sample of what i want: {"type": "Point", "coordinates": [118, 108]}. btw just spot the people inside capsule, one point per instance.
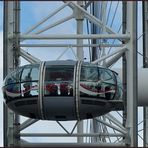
{"type": "Point", "coordinates": [29, 81]}
{"type": "Point", "coordinates": [59, 81]}
{"type": "Point", "coordinates": [97, 82]}
{"type": "Point", "coordinates": [61, 91]}
{"type": "Point", "coordinates": [27, 85]}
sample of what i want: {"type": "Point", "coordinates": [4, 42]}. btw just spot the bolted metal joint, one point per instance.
{"type": "Point", "coordinates": [79, 14]}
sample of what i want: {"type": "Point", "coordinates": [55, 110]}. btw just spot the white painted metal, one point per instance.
{"type": "Point", "coordinates": [79, 14]}
{"type": "Point", "coordinates": [27, 144]}
{"type": "Point", "coordinates": [41, 91]}
{"type": "Point", "coordinates": [30, 58]}
{"type": "Point", "coordinates": [103, 29]}
{"type": "Point", "coordinates": [131, 56]}
{"type": "Point", "coordinates": [90, 17]}
{"type": "Point", "coordinates": [113, 60]}
{"type": "Point", "coordinates": [27, 123]}
{"type": "Point", "coordinates": [55, 24]}
{"type": "Point", "coordinates": [121, 50]}
{"type": "Point", "coordinates": [46, 18]}
{"type": "Point", "coordinates": [109, 125]}
{"type": "Point", "coordinates": [62, 53]}
{"type": "Point", "coordinates": [10, 61]}
{"type": "Point", "coordinates": [71, 45]}
{"type": "Point", "coordinates": [98, 13]}
{"type": "Point", "coordinates": [142, 86]}
{"type": "Point", "coordinates": [124, 37]}
{"type": "Point", "coordinates": [69, 135]}
{"type": "Point", "coordinates": [115, 121]}
{"type": "Point", "coordinates": [80, 55]}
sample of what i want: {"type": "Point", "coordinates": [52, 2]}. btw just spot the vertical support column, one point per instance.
{"type": "Point", "coordinates": [9, 64]}
{"type": "Point", "coordinates": [94, 29]}
{"type": "Point", "coordinates": [104, 29]}
{"type": "Point", "coordinates": [124, 63]}
{"type": "Point", "coordinates": [145, 65]}
{"type": "Point", "coordinates": [16, 51]}
{"type": "Point", "coordinates": [79, 19]}
{"type": "Point", "coordinates": [80, 56]}
{"type": "Point", "coordinates": [131, 55]}
{"type": "Point", "coordinates": [96, 11]}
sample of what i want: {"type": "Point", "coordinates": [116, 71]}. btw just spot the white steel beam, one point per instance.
{"type": "Point", "coordinates": [46, 18]}
{"type": "Point", "coordinates": [103, 29]}
{"type": "Point", "coordinates": [80, 13]}
{"type": "Point", "coordinates": [121, 50]}
{"type": "Point", "coordinates": [62, 54]}
{"type": "Point", "coordinates": [83, 145]}
{"type": "Point", "coordinates": [72, 45]}
{"type": "Point", "coordinates": [10, 62]}
{"type": "Point", "coordinates": [30, 58]}
{"type": "Point", "coordinates": [112, 126]}
{"type": "Point", "coordinates": [71, 132]}
{"type": "Point", "coordinates": [95, 29]}
{"type": "Point", "coordinates": [54, 24]}
{"type": "Point", "coordinates": [131, 56]}
{"type": "Point", "coordinates": [70, 135]}
{"type": "Point", "coordinates": [124, 37]}
{"type": "Point", "coordinates": [90, 17]}
{"type": "Point", "coordinates": [113, 60]}
{"type": "Point", "coordinates": [80, 56]}
{"type": "Point", "coordinates": [115, 121]}
{"type": "Point", "coordinates": [27, 123]}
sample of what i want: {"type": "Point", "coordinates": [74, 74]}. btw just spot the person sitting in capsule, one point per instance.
{"type": "Point", "coordinates": [27, 86]}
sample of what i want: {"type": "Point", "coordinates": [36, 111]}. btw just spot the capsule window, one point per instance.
{"type": "Point", "coordinates": [12, 85]}
{"type": "Point", "coordinates": [11, 91]}
{"type": "Point", "coordinates": [29, 81]}
{"type": "Point", "coordinates": [119, 93]}
{"type": "Point", "coordinates": [59, 81]}
{"type": "Point", "coordinates": [89, 74]}
{"type": "Point", "coordinates": [108, 83]}
{"type": "Point", "coordinates": [13, 77]}
{"type": "Point", "coordinates": [89, 81]}
{"type": "Point", "coordinates": [106, 76]}
{"type": "Point", "coordinates": [30, 73]}
{"type": "Point", "coordinates": [97, 82]}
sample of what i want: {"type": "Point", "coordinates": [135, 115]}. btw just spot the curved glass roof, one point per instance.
{"type": "Point", "coordinates": [95, 82]}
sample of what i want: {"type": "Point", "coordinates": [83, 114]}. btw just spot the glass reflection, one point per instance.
{"type": "Point", "coordinates": [23, 82]}
{"type": "Point", "coordinates": [29, 89]}
{"type": "Point", "coordinates": [12, 91]}
{"type": "Point", "coordinates": [119, 90]}
{"type": "Point", "coordinates": [59, 81]}
{"type": "Point", "coordinates": [97, 82]}
{"type": "Point", "coordinates": [29, 81]}
{"type": "Point", "coordinates": [13, 77]}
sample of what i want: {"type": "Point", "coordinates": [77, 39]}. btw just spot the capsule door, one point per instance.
{"type": "Point", "coordinates": [59, 100]}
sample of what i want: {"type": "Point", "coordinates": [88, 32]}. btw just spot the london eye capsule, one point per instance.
{"type": "Point", "coordinates": [63, 90]}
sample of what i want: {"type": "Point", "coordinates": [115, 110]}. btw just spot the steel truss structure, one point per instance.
{"type": "Point", "coordinates": [117, 129]}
